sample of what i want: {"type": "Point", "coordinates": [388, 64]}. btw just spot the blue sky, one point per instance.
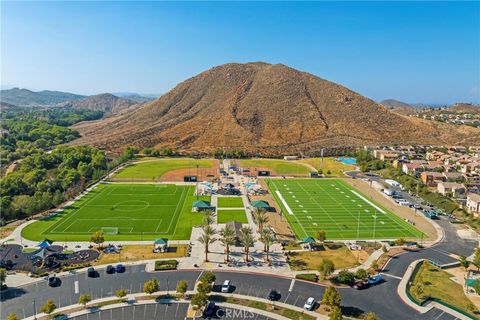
{"type": "Point", "coordinates": [411, 51]}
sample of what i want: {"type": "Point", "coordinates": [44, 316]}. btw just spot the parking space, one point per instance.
{"type": "Point", "coordinates": [141, 312]}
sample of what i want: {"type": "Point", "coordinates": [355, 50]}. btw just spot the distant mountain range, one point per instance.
{"type": "Point", "coordinates": [106, 102]}
{"type": "Point", "coordinates": [264, 109]}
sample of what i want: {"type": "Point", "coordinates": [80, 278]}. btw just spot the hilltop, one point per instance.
{"type": "Point", "coordinates": [24, 97]}
{"type": "Point", "coordinates": [105, 102]}
{"type": "Point", "coordinates": [263, 108]}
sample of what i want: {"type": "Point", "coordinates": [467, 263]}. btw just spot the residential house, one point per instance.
{"type": "Point", "coordinates": [453, 176]}
{"type": "Point", "coordinates": [435, 155]}
{"type": "Point", "coordinates": [451, 189]}
{"type": "Point", "coordinates": [412, 168]}
{"type": "Point", "coordinates": [431, 179]}
{"type": "Point", "coordinates": [473, 204]}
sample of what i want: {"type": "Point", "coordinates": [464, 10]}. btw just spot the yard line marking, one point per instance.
{"type": "Point", "coordinates": [285, 204]}
{"type": "Point", "coordinates": [368, 201]}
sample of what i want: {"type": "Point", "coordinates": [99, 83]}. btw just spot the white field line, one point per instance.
{"type": "Point", "coordinates": [367, 201]}
{"type": "Point", "coordinates": [285, 204]}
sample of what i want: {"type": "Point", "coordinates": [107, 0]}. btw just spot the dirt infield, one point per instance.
{"type": "Point", "coordinates": [204, 174]}
{"type": "Point", "coordinates": [421, 223]}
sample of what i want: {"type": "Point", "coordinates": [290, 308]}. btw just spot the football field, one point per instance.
{"type": "Point", "coordinates": [125, 212]}
{"type": "Point", "coordinates": [332, 205]}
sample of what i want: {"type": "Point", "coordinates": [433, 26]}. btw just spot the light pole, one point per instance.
{"type": "Point", "coordinates": [197, 182]}
{"type": "Point", "coordinates": [358, 232]}
{"type": "Point", "coordinates": [374, 225]}
{"type": "Point", "coordinates": [34, 310]}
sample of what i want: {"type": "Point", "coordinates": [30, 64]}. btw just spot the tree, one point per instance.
{"type": "Point", "coordinates": [267, 239]}
{"type": "Point", "coordinates": [326, 268]}
{"type": "Point", "coordinates": [207, 238]}
{"type": "Point", "coordinates": [371, 316]}
{"type": "Point", "coordinates": [261, 218]}
{"type": "Point", "coordinates": [346, 277]}
{"type": "Point", "coordinates": [331, 297]}
{"type": "Point", "coordinates": [208, 277]}
{"type": "Point", "coordinates": [204, 287]}
{"type": "Point", "coordinates": [48, 307]}
{"type": "Point", "coordinates": [182, 287]}
{"type": "Point", "coordinates": [97, 237]}
{"type": "Point", "coordinates": [199, 300]}
{"type": "Point", "coordinates": [321, 236]}
{"type": "Point", "coordinates": [84, 299]}
{"type": "Point", "coordinates": [247, 240]}
{"type": "Point", "coordinates": [208, 217]}
{"type": "Point", "coordinates": [361, 274]}
{"type": "Point", "coordinates": [476, 258]}
{"type": "Point", "coordinates": [227, 239]}
{"type": "Point", "coordinates": [150, 286]}
{"type": "Point", "coordinates": [12, 316]}
{"type": "Point", "coordinates": [464, 262]}
{"type": "Point", "coordinates": [374, 266]}
{"type": "Point", "coordinates": [121, 293]}
{"type": "Point", "coordinates": [335, 313]}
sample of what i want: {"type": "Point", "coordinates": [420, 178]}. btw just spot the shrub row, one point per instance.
{"type": "Point", "coordinates": [166, 265]}
{"type": "Point", "coordinates": [307, 276]}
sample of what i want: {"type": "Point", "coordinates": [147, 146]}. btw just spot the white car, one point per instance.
{"type": "Point", "coordinates": [226, 286]}
{"type": "Point", "coordinates": [309, 304]}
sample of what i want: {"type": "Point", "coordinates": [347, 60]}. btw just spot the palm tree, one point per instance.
{"type": "Point", "coordinates": [207, 238]}
{"type": "Point", "coordinates": [261, 218]}
{"type": "Point", "coordinates": [208, 217]}
{"type": "Point", "coordinates": [267, 239]}
{"type": "Point", "coordinates": [228, 239]}
{"type": "Point", "coordinates": [247, 239]}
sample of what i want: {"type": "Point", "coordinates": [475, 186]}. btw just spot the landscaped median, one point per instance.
{"type": "Point", "coordinates": [246, 303]}
{"type": "Point", "coordinates": [425, 286]}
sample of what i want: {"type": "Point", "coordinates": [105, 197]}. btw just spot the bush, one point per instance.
{"type": "Point", "coordinates": [361, 274]}
{"type": "Point", "coordinates": [400, 242]}
{"type": "Point", "coordinates": [199, 300]}
{"type": "Point", "coordinates": [182, 287]}
{"type": "Point", "coordinates": [346, 277]}
{"type": "Point", "coordinates": [151, 286]}
{"type": "Point", "coordinates": [204, 287]}
{"type": "Point", "coordinates": [307, 276]}
{"type": "Point", "coordinates": [166, 265]}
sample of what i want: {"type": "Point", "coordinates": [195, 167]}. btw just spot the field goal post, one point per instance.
{"type": "Point", "coordinates": [110, 230]}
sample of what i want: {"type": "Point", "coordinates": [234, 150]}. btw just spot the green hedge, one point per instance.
{"type": "Point", "coordinates": [166, 265]}
{"type": "Point", "coordinates": [307, 276]}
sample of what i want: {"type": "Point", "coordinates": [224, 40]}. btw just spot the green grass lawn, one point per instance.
{"type": "Point", "coordinates": [230, 202]}
{"type": "Point", "coordinates": [335, 167]}
{"type": "Point", "coordinates": [138, 211]}
{"type": "Point", "coordinates": [334, 206]}
{"type": "Point", "coordinates": [152, 170]}
{"type": "Point", "coordinates": [437, 284]}
{"type": "Point", "coordinates": [224, 216]}
{"type": "Point", "coordinates": [283, 167]}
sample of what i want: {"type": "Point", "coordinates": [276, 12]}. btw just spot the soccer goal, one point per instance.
{"type": "Point", "coordinates": [110, 230]}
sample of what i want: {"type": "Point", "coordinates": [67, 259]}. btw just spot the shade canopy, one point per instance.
{"type": "Point", "coordinates": [308, 240]}
{"type": "Point", "coordinates": [161, 241]}
{"type": "Point", "coordinates": [45, 243]}
{"type": "Point", "coordinates": [201, 204]}
{"type": "Point", "coordinates": [260, 204]}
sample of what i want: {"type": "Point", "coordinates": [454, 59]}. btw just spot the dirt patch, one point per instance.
{"type": "Point", "coordinates": [141, 252]}
{"type": "Point", "coordinates": [204, 174]}
{"type": "Point", "coordinates": [403, 212]}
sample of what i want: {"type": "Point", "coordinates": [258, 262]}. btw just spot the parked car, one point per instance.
{"type": "Point", "coordinates": [209, 311]}
{"type": "Point", "coordinates": [91, 273]}
{"type": "Point", "coordinates": [309, 304]}
{"type": "Point", "coordinates": [273, 295]}
{"type": "Point", "coordinates": [120, 268]}
{"type": "Point", "coordinates": [376, 279]}
{"type": "Point", "coordinates": [226, 286]}
{"type": "Point", "coordinates": [53, 281]}
{"type": "Point", "coordinates": [110, 269]}
{"type": "Point", "coordinates": [360, 285]}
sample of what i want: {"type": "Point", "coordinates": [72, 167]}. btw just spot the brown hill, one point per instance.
{"type": "Point", "coordinates": [263, 108]}
{"type": "Point", "coordinates": [105, 102]}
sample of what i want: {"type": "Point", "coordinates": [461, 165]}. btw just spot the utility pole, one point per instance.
{"type": "Point", "coordinates": [197, 182]}
{"type": "Point", "coordinates": [321, 160]}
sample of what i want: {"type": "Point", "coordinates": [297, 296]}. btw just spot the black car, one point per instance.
{"type": "Point", "coordinates": [110, 269]}
{"type": "Point", "coordinates": [360, 285]}
{"type": "Point", "coordinates": [91, 273]}
{"type": "Point", "coordinates": [209, 311]}
{"type": "Point", "coordinates": [120, 268]}
{"type": "Point", "coordinates": [273, 295]}
{"type": "Point", "coordinates": [53, 281]}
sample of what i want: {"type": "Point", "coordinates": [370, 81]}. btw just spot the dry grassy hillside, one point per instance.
{"type": "Point", "coordinates": [272, 109]}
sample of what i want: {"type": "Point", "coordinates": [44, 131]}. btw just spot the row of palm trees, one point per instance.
{"type": "Point", "coordinates": [228, 239]}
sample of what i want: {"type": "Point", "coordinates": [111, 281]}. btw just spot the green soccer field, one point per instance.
{"type": "Point", "coordinates": [138, 212]}
{"type": "Point", "coordinates": [344, 213]}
